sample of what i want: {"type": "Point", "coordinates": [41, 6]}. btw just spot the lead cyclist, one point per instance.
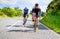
{"type": "Point", "coordinates": [36, 12]}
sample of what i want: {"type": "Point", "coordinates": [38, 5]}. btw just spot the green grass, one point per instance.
{"type": "Point", "coordinates": [52, 22]}
{"type": "Point", "coordinates": [4, 17]}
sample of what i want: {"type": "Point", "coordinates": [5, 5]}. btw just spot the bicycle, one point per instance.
{"type": "Point", "coordinates": [36, 22]}
{"type": "Point", "coordinates": [25, 20]}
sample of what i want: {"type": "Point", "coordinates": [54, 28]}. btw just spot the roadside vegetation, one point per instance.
{"type": "Point", "coordinates": [52, 18]}
{"type": "Point", "coordinates": [9, 12]}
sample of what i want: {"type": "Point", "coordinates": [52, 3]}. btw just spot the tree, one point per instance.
{"type": "Point", "coordinates": [18, 11]}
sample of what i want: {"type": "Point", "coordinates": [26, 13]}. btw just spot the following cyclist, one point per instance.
{"type": "Point", "coordinates": [25, 15]}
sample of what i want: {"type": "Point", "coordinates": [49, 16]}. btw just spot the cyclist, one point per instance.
{"type": "Point", "coordinates": [25, 15]}
{"type": "Point", "coordinates": [36, 11]}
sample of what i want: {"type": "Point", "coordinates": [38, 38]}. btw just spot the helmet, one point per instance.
{"type": "Point", "coordinates": [36, 4]}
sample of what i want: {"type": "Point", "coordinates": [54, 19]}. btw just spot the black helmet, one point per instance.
{"type": "Point", "coordinates": [36, 4]}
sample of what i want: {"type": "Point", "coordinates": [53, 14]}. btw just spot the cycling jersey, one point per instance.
{"type": "Point", "coordinates": [25, 11]}
{"type": "Point", "coordinates": [36, 10]}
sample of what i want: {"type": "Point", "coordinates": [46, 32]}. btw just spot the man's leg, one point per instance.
{"type": "Point", "coordinates": [34, 20]}
{"type": "Point", "coordinates": [24, 19]}
{"type": "Point", "coordinates": [27, 15]}
{"type": "Point", "coordinates": [36, 23]}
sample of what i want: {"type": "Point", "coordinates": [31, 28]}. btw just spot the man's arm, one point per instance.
{"type": "Point", "coordinates": [39, 13]}
{"type": "Point", "coordinates": [22, 11]}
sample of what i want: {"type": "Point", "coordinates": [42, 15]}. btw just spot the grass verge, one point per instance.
{"type": "Point", "coordinates": [52, 22]}
{"type": "Point", "coordinates": [5, 17]}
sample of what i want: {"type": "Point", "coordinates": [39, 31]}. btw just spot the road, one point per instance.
{"type": "Point", "coordinates": [12, 28]}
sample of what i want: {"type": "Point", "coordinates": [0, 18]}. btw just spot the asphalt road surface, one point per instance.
{"type": "Point", "coordinates": [12, 28]}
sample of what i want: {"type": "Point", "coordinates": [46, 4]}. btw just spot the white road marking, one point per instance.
{"type": "Point", "coordinates": [20, 28]}
{"type": "Point", "coordinates": [13, 24]}
{"type": "Point", "coordinates": [16, 28]}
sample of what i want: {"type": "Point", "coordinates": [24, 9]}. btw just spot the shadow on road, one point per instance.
{"type": "Point", "coordinates": [40, 27]}
{"type": "Point", "coordinates": [14, 25]}
{"type": "Point", "coordinates": [21, 31]}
